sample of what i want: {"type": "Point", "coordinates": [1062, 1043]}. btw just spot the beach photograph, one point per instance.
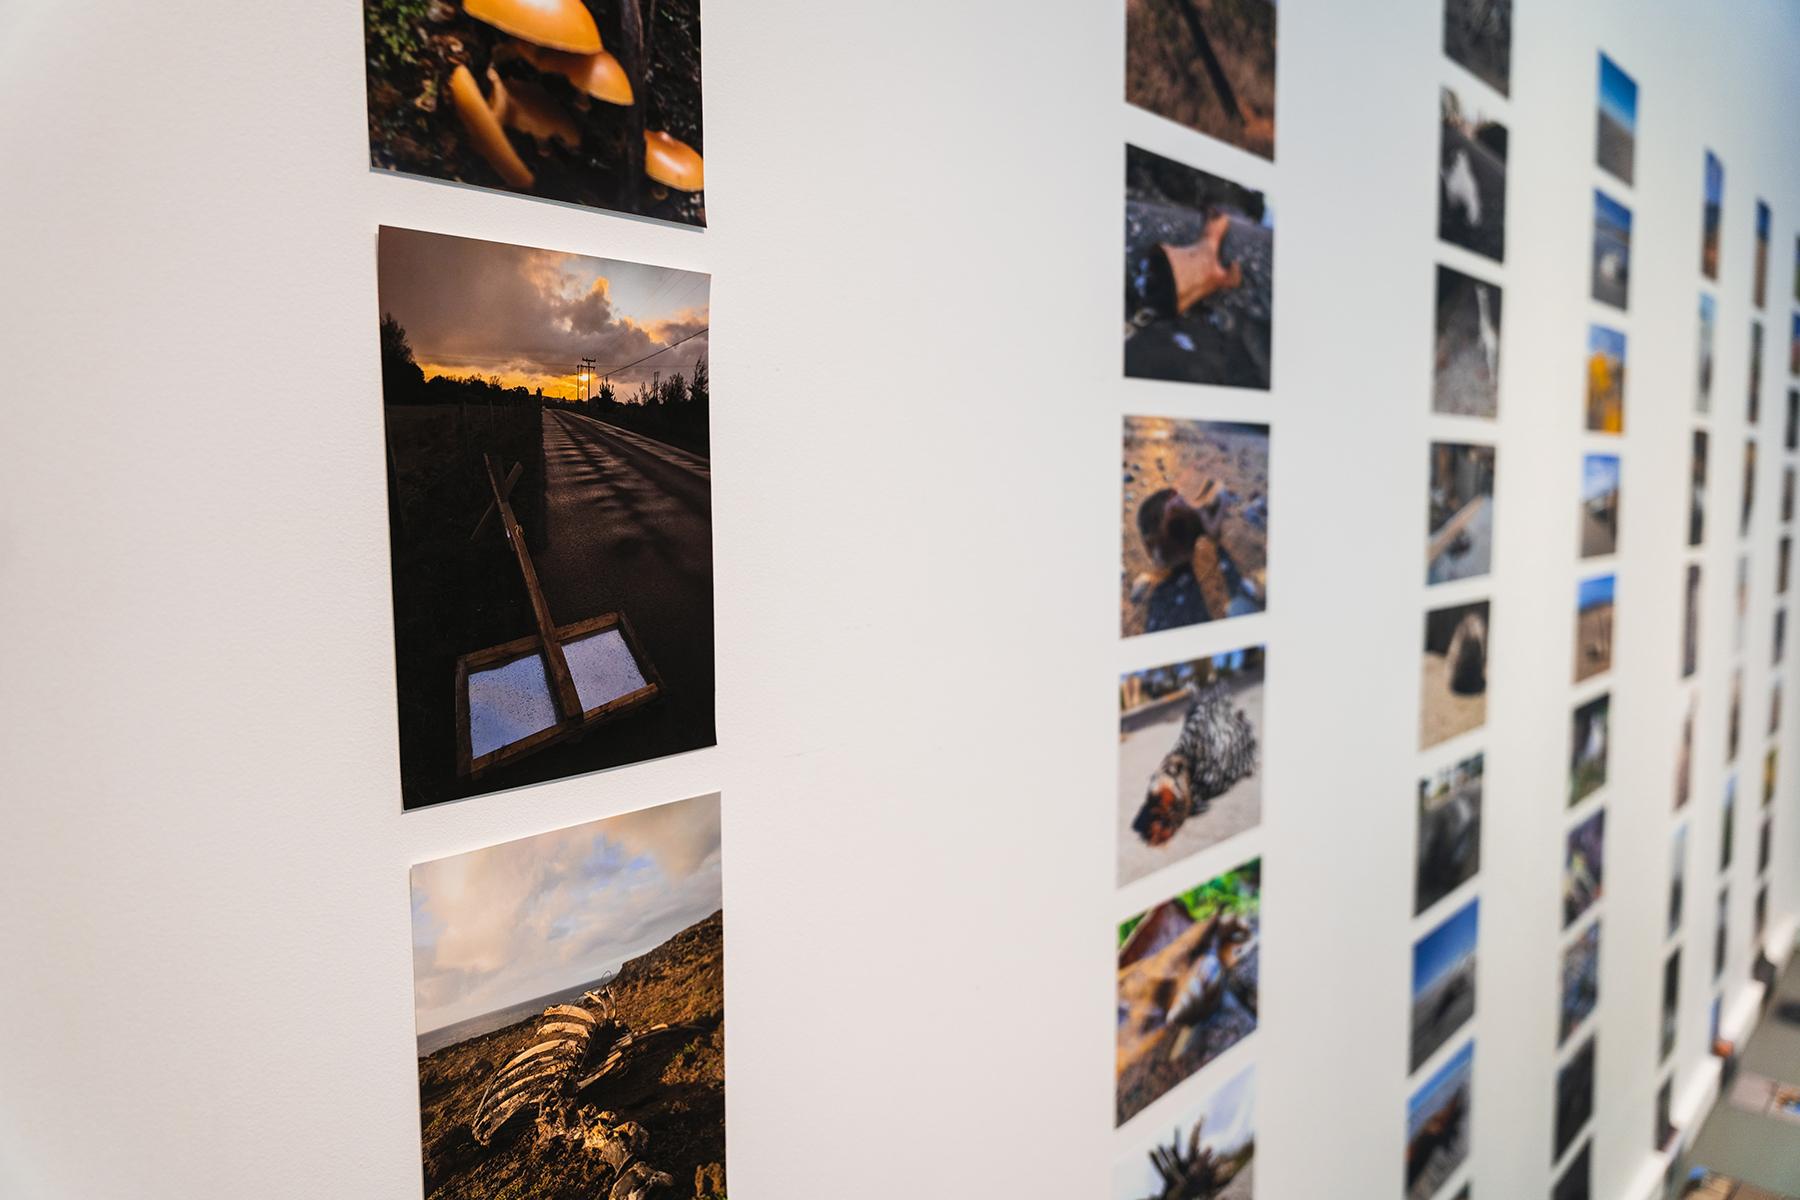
{"type": "Point", "coordinates": [1574, 1097]}
{"type": "Point", "coordinates": [1187, 985]}
{"type": "Point", "coordinates": [569, 994]}
{"type": "Point", "coordinates": [1449, 848]}
{"type": "Point", "coordinates": [1671, 1003]}
{"type": "Point", "coordinates": [1587, 754]}
{"type": "Point", "coordinates": [1708, 329]}
{"type": "Point", "coordinates": [596, 104]}
{"type": "Point", "coordinates": [1190, 758]}
{"type": "Point", "coordinates": [1697, 489]}
{"type": "Point", "coordinates": [549, 511]}
{"type": "Point", "coordinates": [1580, 982]}
{"type": "Point", "coordinates": [1612, 251]}
{"type": "Point", "coordinates": [1465, 377]}
{"type": "Point", "coordinates": [1205, 64]}
{"type": "Point", "coordinates": [1443, 982]}
{"type": "Point", "coordinates": [1478, 34]}
{"type": "Point", "coordinates": [1584, 867]}
{"type": "Point", "coordinates": [1199, 276]}
{"type": "Point", "coordinates": [1459, 527]}
{"type": "Point", "coordinates": [1599, 505]}
{"type": "Point", "coordinates": [1437, 1125]}
{"type": "Point", "coordinates": [1690, 622]}
{"type": "Point", "coordinates": [1677, 877]}
{"type": "Point", "coordinates": [1759, 288]}
{"type": "Point", "coordinates": [1616, 143]}
{"type": "Point", "coordinates": [1208, 1155]}
{"type": "Point", "coordinates": [1593, 626]}
{"type": "Point", "coordinates": [1471, 177]}
{"type": "Point", "coordinates": [1453, 675]}
{"type": "Point", "coordinates": [1712, 213]}
{"type": "Point", "coordinates": [1194, 523]}
{"type": "Point", "coordinates": [1605, 380]}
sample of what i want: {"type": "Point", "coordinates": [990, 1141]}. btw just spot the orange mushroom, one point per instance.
{"type": "Point", "coordinates": [556, 24]}
{"type": "Point", "coordinates": [673, 162]}
{"type": "Point", "coordinates": [530, 110]}
{"type": "Point", "coordinates": [598, 74]}
{"type": "Point", "coordinates": [485, 131]}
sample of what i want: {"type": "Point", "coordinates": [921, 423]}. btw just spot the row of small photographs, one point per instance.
{"type": "Point", "coordinates": [1753, 405]}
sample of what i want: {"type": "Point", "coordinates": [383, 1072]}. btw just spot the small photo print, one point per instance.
{"type": "Point", "coordinates": [1459, 538]}
{"type": "Point", "coordinates": [1580, 982]}
{"type": "Point", "coordinates": [1759, 914]}
{"type": "Point", "coordinates": [1794, 345]}
{"type": "Point", "coordinates": [1194, 522]}
{"type": "Point", "coordinates": [1574, 1097]}
{"type": "Point", "coordinates": [1207, 1156]}
{"type": "Point", "coordinates": [1775, 708]}
{"type": "Point", "coordinates": [1715, 201]}
{"type": "Point", "coordinates": [1453, 679]}
{"type": "Point", "coordinates": [1663, 1131]}
{"type": "Point", "coordinates": [1616, 144]}
{"type": "Point", "coordinates": [1612, 251]}
{"type": "Point", "coordinates": [1787, 493]}
{"type": "Point", "coordinates": [1599, 505]}
{"type": "Point", "coordinates": [1769, 764]}
{"type": "Point", "coordinates": [1764, 845]}
{"type": "Point", "coordinates": [1779, 640]}
{"type": "Point", "coordinates": [1186, 985]}
{"type": "Point", "coordinates": [1465, 379]}
{"type": "Point", "coordinates": [1734, 722]}
{"type": "Point", "coordinates": [1606, 380]}
{"type": "Point", "coordinates": [570, 1004]}
{"type": "Point", "coordinates": [1784, 562]}
{"type": "Point", "coordinates": [1437, 1125]}
{"type": "Point", "coordinates": [1471, 178]}
{"type": "Point", "coordinates": [1677, 877]}
{"type": "Point", "coordinates": [1690, 623]}
{"type": "Point", "coordinates": [1721, 932]}
{"type": "Point", "coordinates": [1728, 823]}
{"type": "Point", "coordinates": [1478, 34]}
{"type": "Point", "coordinates": [1584, 867]}
{"type": "Point", "coordinates": [1208, 65]}
{"type": "Point", "coordinates": [1587, 756]}
{"type": "Point", "coordinates": [1190, 758]}
{"type": "Point", "coordinates": [1671, 1003]}
{"type": "Point", "coordinates": [1790, 438]}
{"type": "Point", "coordinates": [524, 96]}
{"type": "Point", "coordinates": [1443, 983]}
{"type": "Point", "coordinates": [1684, 754]}
{"type": "Point", "coordinates": [1593, 626]}
{"type": "Point", "coordinates": [1749, 504]}
{"type": "Point", "coordinates": [1577, 1182]}
{"type": "Point", "coordinates": [1449, 831]}
{"type": "Point", "coordinates": [1760, 279]}
{"type": "Point", "coordinates": [1709, 309]}
{"type": "Point", "coordinates": [1697, 489]}
{"type": "Point", "coordinates": [1199, 275]}
{"type": "Point", "coordinates": [1753, 401]}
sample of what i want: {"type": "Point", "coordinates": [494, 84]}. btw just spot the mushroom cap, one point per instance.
{"type": "Point", "coordinates": [530, 110]}
{"type": "Point", "coordinates": [672, 162]}
{"type": "Point", "coordinates": [485, 131]}
{"type": "Point", "coordinates": [598, 74]}
{"type": "Point", "coordinates": [557, 24]}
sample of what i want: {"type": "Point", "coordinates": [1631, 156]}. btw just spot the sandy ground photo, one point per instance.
{"type": "Point", "coordinates": [1465, 379]}
{"type": "Point", "coordinates": [1453, 677]}
{"type": "Point", "coordinates": [1593, 627]}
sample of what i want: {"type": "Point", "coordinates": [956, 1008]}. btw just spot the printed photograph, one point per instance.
{"type": "Point", "coordinates": [1478, 34]}
{"type": "Point", "coordinates": [1437, 1125]}
{"type": "Point", "coordinates": [1770, 761]}
{"type": "Point", "coordinates": [1677, 877]}
{"type": "Point", "coordinates": [1453, 679]}
{"type": "Point", "coordinates": [549, 512]}
{"type": "Point", "coordinates": [1459, 535]}
{"type": "Point", "coordinates": [569, 991]}
{"type": "Point", "coordinates": [1779, 640]}
{"type": "Point", "coordinates": [1728, 823]}
{"type": "Point", "coordinates": [1784, 561]}
{"type": "Point", "coordinates": [1684, 753]}
{"type": "Point", "coordinates": [1199, 275]}
{"type": "Point", "coordinates": [1743, 606]}
{"type": "Point", "coordinates": [1190, 758]}
{"type": "Point", "coordinates": [1749, 504]}
{"type": "Point", "coordinates": [1794, 345]}
{"type": "Point", "coordinates": [1187, 985]}
{"type": "Point", "coordinates": [1206, 1156]}
{"type": "Point", "coordinates": [1753, 401]}
{"type": "Point", "coordinates": [1734, 721]}
{"type": "Point", "coordinates": [1760, 278]}
{"type": "Point", "coordinates": [1576, 1182]}
{"type": "Point", "coordinates": [1790, 437]}
{"type": "Point", "coordinates": [1574, 1097]}
{"type": "Point", "coordinates": [1465, 378]}
{"type": "Point", "coordinates": [1593, 626]}
{"type": "Point", "coordinates": [1713, 212]}
{"type": "Point", "coordinates": [1663, 1131]}
{"type": "Point", "coordinates": [1697, 490]}
{"type": "Point", "coordinates": [1606, 380]}
{"type": "Point", "coordinates": [1671, 1002]}
{"type": "Point", "coordinates": [1587, 754]}
{"type": "Point", "coordinates": [1205, 64]}
{"type": "Point", "coordinates": [1449, 831]}
{"type": "Point", "coordinates": [1612, 251]}
{"type": "Point", "coordinates": [1775, 708]}
{"type": "Point", "coordinates": [1471, 178]}
{"type": "Point", "coordinates": [1709, 309]}
{"type": "Point", "coordinates": [1599, 505]}
{"type": "Point", "coordinates": [1764, 845]}
{"type": "Point", "coordinates": [1580, 981]}
{"type": "Point", "coordinates": [1759, 915]}
{"type": "Point", "coordinates": [1787, 493]}
{"type": "Point", "coordinates": [1690, 623]}
{"type": "Point", "coordinates": [1584, 867]}
{"type": "Point", "coordinates": [1443, 982]}
{"type": "Point", "coordinates": [1194, 523]}
{"type": "Point", "coordinates": [1721, 932]}
{"type": "Point", "coordinates": [1616, 144]}
{"type": "Point", "coordinates": [587, 103]}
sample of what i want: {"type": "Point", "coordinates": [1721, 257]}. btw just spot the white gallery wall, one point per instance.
{"type": "Point", "coordinates": [914, 247]}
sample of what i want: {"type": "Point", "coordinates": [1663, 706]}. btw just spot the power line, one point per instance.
{"type": "Point", "coordinates": [654, 353]}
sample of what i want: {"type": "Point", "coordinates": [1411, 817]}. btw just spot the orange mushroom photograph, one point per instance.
{"type": "Point", "coordinates": [591, 102]}
{"type": "Point", "coordinates": [549, 512]}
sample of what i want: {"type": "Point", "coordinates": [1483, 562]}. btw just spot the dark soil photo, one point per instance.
{"type": "Point", "coordinates": [1471, 178]}
{"type": "Point", "coordinates": [1206, 64]}
{"type": "Point", "coordinates": [592, 102]}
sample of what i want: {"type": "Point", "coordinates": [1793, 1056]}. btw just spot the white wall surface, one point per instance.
{"type": "Point", "coordinates": [206, 979]}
